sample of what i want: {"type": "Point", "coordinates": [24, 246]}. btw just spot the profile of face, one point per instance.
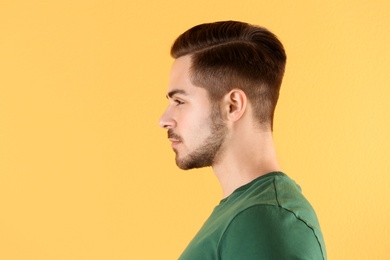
{"type": "Point", "coordinates": [195, 127]}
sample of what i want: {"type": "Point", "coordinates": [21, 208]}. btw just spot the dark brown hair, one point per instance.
{"type": "Point", "coordinates": [227, 55]}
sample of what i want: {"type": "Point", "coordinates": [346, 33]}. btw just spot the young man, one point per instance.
{"type": "Point", "coordinates": [224, 86]}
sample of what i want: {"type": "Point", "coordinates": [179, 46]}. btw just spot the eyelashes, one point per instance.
{"type": "Point", "coordinates": [178, 102]}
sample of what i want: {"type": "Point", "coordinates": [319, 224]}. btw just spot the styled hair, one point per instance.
{"type": "Point", "coordinates": [230, 54]}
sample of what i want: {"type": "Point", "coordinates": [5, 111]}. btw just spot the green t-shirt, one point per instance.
{"type": "Point", "coordinates": [268, 218]}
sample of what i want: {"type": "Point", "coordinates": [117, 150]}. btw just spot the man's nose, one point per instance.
{"type": "Point", "coordinates": [166, 121]}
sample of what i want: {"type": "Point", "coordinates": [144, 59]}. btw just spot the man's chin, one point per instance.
{"type": "Point", "coordinates": [181, 163]}
{"type": "Point", "coordinates": [191, 164]}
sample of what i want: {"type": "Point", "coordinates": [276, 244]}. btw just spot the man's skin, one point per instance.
{"type": "Point", "coordinates": [245, 149]}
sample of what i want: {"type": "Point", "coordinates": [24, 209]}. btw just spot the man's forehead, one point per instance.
{"type": "Point", "coordinates": [180, 70]}
{"type": "Point", "coordinates": [179, 81]}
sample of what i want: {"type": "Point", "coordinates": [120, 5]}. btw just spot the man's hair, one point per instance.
{"type": "Point", "coordinates": [230, 54]}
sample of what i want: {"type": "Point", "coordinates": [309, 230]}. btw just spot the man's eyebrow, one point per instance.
{"type": "Point", "coordinates": [176, 91]}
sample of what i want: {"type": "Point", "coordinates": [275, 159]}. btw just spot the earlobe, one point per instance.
{"type": "Point", "coordinates": [237, 101]}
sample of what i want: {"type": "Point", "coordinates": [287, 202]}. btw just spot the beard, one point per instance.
{"type": "Point", "coordinates": [205, 154]}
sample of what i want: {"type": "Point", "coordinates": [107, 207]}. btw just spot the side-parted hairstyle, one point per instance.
{"type": "Point", "coordinates": [230, 54]}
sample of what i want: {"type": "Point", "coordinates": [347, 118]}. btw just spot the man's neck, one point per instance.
{"type": "Point", "coordinates": [245, 159]}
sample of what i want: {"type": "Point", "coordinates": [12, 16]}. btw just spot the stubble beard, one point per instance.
{"type": "Point", "coordinates": [206, 154]}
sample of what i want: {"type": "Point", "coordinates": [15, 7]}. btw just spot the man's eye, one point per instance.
{"type": "Point", "coordinates": [178, 102]}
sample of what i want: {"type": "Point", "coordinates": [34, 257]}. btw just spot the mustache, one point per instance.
{"type": "Point", "coordinates": [172, 135]}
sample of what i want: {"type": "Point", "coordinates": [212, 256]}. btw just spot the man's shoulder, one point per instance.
{"type": "Point", "coordinates": [275, 189]}
{"type": "Point", "coordinates": [271, 212]}
{"type": "Point", "coordinates": [272, 200]}
{"type": "Point", "coordinates": [269, 230]}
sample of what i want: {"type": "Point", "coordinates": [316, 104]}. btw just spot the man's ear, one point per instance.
{"type": "Point", "coordinates": [235, 104]}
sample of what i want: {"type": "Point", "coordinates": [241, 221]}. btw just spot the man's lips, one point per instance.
{"type": "Point", "coordinates": [174, 142]}
{"type": "Point", "coordinates": [173, 137]}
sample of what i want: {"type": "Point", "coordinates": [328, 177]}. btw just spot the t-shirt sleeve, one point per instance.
{"type": "Point", "coordinates": [268, 232]}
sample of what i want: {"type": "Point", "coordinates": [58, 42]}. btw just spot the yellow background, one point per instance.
{"type": "Point", "coordinates": [85, 171]}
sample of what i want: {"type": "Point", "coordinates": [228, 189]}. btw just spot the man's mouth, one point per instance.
{"type": "Point", "coordinates": [174, 138]}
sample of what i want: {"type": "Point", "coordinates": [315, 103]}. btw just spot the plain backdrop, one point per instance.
{"type": "Point", "coordinates": [85, 171]}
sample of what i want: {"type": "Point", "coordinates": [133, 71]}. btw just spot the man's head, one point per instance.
{"type": "Point", "coordinates": [213, 61]}
{"type": "Point", "coordinates": [230, 54]}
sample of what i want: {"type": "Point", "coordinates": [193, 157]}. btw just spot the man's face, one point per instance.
{"type": "Point", "coordinates": [194, 124]}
